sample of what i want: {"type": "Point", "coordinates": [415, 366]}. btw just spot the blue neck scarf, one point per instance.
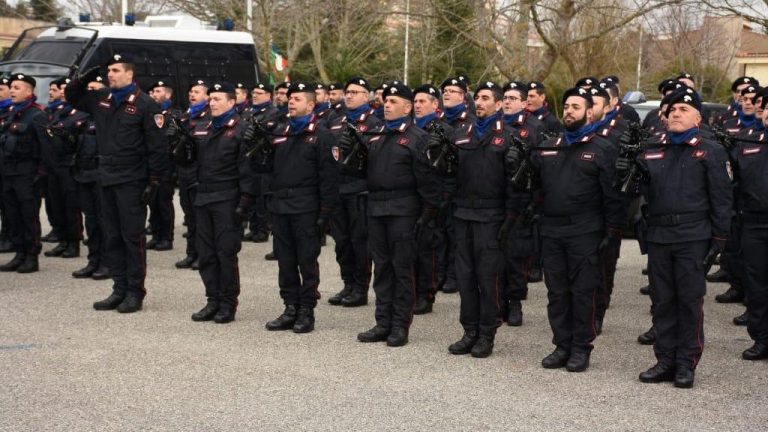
{"type": "Point", "coordinates": [322, 107]}
{"type": "Point", "coordinates": [197, 108]}
{"type": "Point", "coordinates": [259, 107]}
{"type": "Point", "coordinates": [607, 119]}
{"type": "Point", "coordinates": [483, 124]}
{"type": "Point", "coordinates": [5, 104]}
{"type": "Point", "coordinates": [453, 113]}
{"type": "Point", "coordinates": [394, 124]}
{"type": "Point", "coordinates": [221, 120]}
{"type": "Point", "coordinates": [541, 111]}
{"type": "Point", "coordinates": [119, 95]}
{"type": "Point", "coordinates": [421, 122]}
{"type": "Point", "coordinates": [678, 138]}
{"type": "Point", "coordinates": [734, 106]}
{"type": "Point", "coordinates": [747, 120]}
{"type": "Point", "coordinates": [241, 106]}
{"type": "Point", "coordinates": [53, 105]}
{"type": "Point", "coordinates": [574, 136]}
{"type": "Point", "coordinates": [21, 106]}
{"type": "Point", "coordinates": [354, 114]}
{"type": "Point", "coordinates": [759, 126]}
{"type": "Point", "coordinates": [298, 124]}
{"type": "Point", "coordinates": [282, 109]}
{"type": "Point", "coordinates": [511, 118]}
{"type": "Point", "coordinates": [379, 112]}
{"type": "Point", "coordinates": [165, 105]}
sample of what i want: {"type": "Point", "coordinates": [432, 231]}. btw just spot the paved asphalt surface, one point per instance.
{"type": "Point", "coordinates": [67, 367]}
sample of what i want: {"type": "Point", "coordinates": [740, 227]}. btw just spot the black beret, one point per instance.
{"type": "Point", "coordinates": [608, 85]}
{"type": "Point", "coordinates": [300, 87]}
{"type": "Point", "coordinates": [396, 88]}
{"type": "Point", "coordinates": [5, 81]}
{"type": "Point", "coordinates": [428, 89]}
{"type": "Point", "coordinates": [672, 87]}
{"type": "Point", "coordinates": [22, 77]}
{"type": "Point", "coordinates": [665, 83]}
{"type": "Point", "coordinates": [60, 82]}
{"type": "Point", "coordinates": [98, 79]}
{"type": "Point", "coordinates": [360, 81]}
{"type": "Point", "coordinates": [120, 58]}
{"type": "Point", "coordinates": [241, 86]}
{"type": "Point", "coordinates": [599, 91]}
{"type": "Point", "coordinates": [198, 82]}
{"type": "Point", "coordinates": [685, 75]}
{"type": "Point", "coordinates": [381, 86]}
{"type": "Point", "coordinates": [465, 79]}
{"type": "Point", "coordinates": [455, 82]}
{"type": "Point", "coordinates": [665, 100]}
{"type": "Point", "coordinates": [763, 93]}
{"type": "Point", "coordinates": [283, 85]}
{"type": "Point", "coordinates": [321, 86]}
{"type": "Point", "coordinates": [587, 82]}
{"type": "Point", "coordinates": [750, 89]}
{"type": "Point", "coordinates": [488, 85]}
{"type": "Point", "coordinates": [743, 80]}
{"type": "Point", "coordinates": [684, 95]}
{"type": "Point", "coordinates": [335, 86]}
{"type": "Point", "coordinates": [221, 87]}
{"type": "Point", "coordinates": [516, 85]}
{"type": "Point", "coordinates": [536, 85]}
{"type": "Point", "coordinates": [611, 78]}
{"type": "Point", "coordinates": [578, 92]}
{"type": "Point", "coordinates": [266, 87]}
{"type": "Point", "coordinates": [160, 83]}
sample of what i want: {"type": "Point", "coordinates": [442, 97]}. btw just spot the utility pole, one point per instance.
{"type": "Point", "coordinates": [407, 31]}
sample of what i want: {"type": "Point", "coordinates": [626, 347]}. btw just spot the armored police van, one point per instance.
{"type": "Point", "coordinates": [162, 52]}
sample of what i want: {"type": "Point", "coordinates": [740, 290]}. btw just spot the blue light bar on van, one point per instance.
{"type": "Point", "coordinates": [130, 19]}
{"type": "Point", "coordinates": [226, 24]}
{"type": "Point", "coordinates": [84, 17]}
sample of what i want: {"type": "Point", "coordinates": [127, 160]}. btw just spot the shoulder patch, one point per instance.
{"type": "Point", "coordinates": [279, 140]}
{"type": "Point", "coordinates": [130, 109]}
{"type": "Point", "coordinates": [751, 150]}
{"type": "Point", "coordinates": [549, 153]}
{"type": "Point", "coordinates": [498, 141]}
{"type": "Point", "coordinates": [523, 133]}
{"type": "Point", "coordinates": [700, 154]}
{"type": "Point", "coordinates": [159, 120]}
{"type": "Point", "coordinates": [654, 155]}
{"type": "Point", "coordinates": [462, 141]}
{"type": "Point", "coordinates": [403, 141]}
{"type": "Point", "coordinates": [588, 156]}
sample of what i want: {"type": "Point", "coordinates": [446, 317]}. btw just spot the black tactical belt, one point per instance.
{"type": "Point", "coordinates": [479, 203]}
{"type": "Point", "coordinates": [120, 160]}
{"type": "Point", "coordinates": [292, 192]}
{"type": "Point", "coordinates": [568, 220]}
{"type": "Point", "coordinates": [677, 219]}
{"type": "Point", "coordinates": [392, 194]}
{"type": "Point", "coordinates": [217, 186]}
{"type": "Point", "coordinates": [755, 218]}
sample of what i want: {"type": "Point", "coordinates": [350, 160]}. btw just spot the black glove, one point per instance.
{"type": "Point", "coordinates": [322, 224]}
{"type": "Point", "coordinates": [610, 241]}
{"type": "Point", "coordinates": [346, 142]}
{"type": "Point", "coordinates": [526, 217]}
{"type": "Point", "coordinates": [622, 166]}
{"type": "Point", "coordinates": [716, 245]}
{"type": "Point", "coordinates": [150, 191]}
{"type": "Point", "coordinates": [243, 208]}
{"type": "Point", "coordinates": [426, 216]}
{"type": "Point", "coordinates": [509, 221]}
{"type": "Point", "coordinates": [513, 158]}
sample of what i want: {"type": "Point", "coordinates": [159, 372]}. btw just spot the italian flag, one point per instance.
{"type": "Point", "coordinates": [280, 62]}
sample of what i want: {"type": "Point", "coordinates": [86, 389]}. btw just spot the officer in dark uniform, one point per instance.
{"type": "Point", "coordinates": [302, 196]}
{"type": "Point", "coordinates": [483, 204]}
{"type": "Point", "coordinates": [58, 158]}
{"type": "Point", "coordinates": [652, 121]}
{"type": "Point", "coordinates": [456, 113]}
{"type": "Point", "coordinates": [5, 230]}
{"type": "Point", "coordinates": [242, 101]}
{"type": "Point", "coordinates": [751, 163]}
{"type": "Point", "coordinates": [161, 209]}
{"type": "Point", "coordinates": [264, 113]}
{"type": "Point", "coordinates": [587, 82]}
{"type": "Point", "coordinates": [581, 216]}
{"type": "Point", "coordinates": [24, 136]}
{"type": "Point", "coordinates": [537, 105]}
{"type": "Point", "coordinates": [688, 80]}
{"type": "Point", "coordinates": [348, 224]}
{"type": "Point", "coordinates": [336, 97]}
{"type": "Point", "coordinates": [85, 173]}
{"type": "Point", "coordinates": [521, 245]}
{"type": "Point", "coordinates": [197, 112]}
{"type": "Point", "coordinates": [401, 187]}
{"type": "Point", "coordinates": [734, 107]}
{"type": "Point", "coordinates": [377, 104]}
{"type": "Point", "coordinates": [55, 103]}
{"type": "Point", "coordinates": [323, 110]}
{"type": "Point", "coordinates": [224, 191]}
{"type": "Point", "coordinates": [626, 111]}
{"type": "Point", "coordinates": [281, 100]}
{"type": "Point", "coordinates": [132, 157]}
{"type": "Point", "coordinates": [688, 189]}
{"type": "Point", "coordinates": [432, 249]}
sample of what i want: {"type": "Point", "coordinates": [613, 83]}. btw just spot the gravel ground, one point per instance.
{"type": "Point", "coordinates": [66, 367]}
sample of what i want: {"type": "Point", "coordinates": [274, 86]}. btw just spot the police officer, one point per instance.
{"type": "Point", "coordinates": [58, 159]}
{"type": "Point", "coordinates": [161, 208]}
{"type": "Point", "coordinates": [456, 113]}
{"type": "Point", "coordinates": [197, 112]}
{"type": "Point", "coordinates": [323, 110]}
{"type": "Point", "coordinates": [281, 100]}
{"type": "Point", "coordinates": [482, 203]}
{"type": "Point", "coordinates": [432, 248]}
{"type": "Point", "coordinates": [652, 121]}
{"type": "Point", "coordinates": [242, 102]}
{"type": "Point", "coordinates": [132, 158]}
{"type": "Point", "coordinates": [224, 191]}
{"type": "Point", "coordinates": [348, 224]}
{"type": "Point", "coordinates": [581, 215]}
{"type": "Point", "coordinates": [377, 104]}
{"type": "Point", "coordinates": [521, 244]}
{"type": "Point", "coordinates": [689, 196]}
{"type": "Point", "coordinates": [85, 173]}
{"type": "Point", "coordinates": [626, 111]}
{"type": "Point", "coordinates": [734, 107]}
{"type": "Point", "coordinates": [265, 114]}
{"type": "Point", "coordinates": [302, 196]}
{"type": "Point", "coordinates": [5, 104]}
{"type": "Point", "coordinates": [403, 197]}
{"type": "Point", "coordinates": [751, 159]}
{"type": "Point", "coordinates": [537, 105]}
{"type": "Point", "coordinates": [24, 136]}
{"type": "Point", "coordinates": [336, 97]}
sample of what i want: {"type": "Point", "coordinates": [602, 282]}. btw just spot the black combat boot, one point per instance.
{"type": "Point", "coordinates": [483, 347]}
{"type": "Point", "coordinates": [72, 250]}
{"type": "Point", "coordinates": [30, 264]}
{"type": "Point", "coordinates": [207, 313]}
{"type": "Point", "coordinates": [465, 344]}
{"type": "Point", "coordinates": [660, 372]}
{"type": "Point", "coordinates": [285, 321]}
{"type": "Point", "coordinates": [226, 314]}
{"type": "Point", "coordinates": [14, 263]}
{"type": "Point", "coordinates": [376, 334]}
{"type": "Point", "coordinates": [57, 250]}
{"type": "Point", "coordinates": [305, 320]}
{"type": "Point", "coordinates": [110, 303]}
{"type": "Point", "coordinates": [336, 299]}
{"type": "Point", "coordinates": [397, 337]}
{"type": "Point", "coordinates": [130, 304]}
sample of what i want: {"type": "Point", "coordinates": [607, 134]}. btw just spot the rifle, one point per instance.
{"type": "Point", "coordinates": [359, 151]}
{"type": "Point", "coordinates": [446, 159]}
{"type": "Point", "coordinates": [724, 138]}
{"type": "Point", "coordinates": [630, 147]}
{"type": "Point", "coordinates": [258, 142]}
{"type": "Point", "coordinates": [182, 146]}
{"type": "Point", "coordinates": [523, 177]}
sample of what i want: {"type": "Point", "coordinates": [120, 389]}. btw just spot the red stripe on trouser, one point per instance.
{"type": "Point", "coordinates": [699, 329]}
